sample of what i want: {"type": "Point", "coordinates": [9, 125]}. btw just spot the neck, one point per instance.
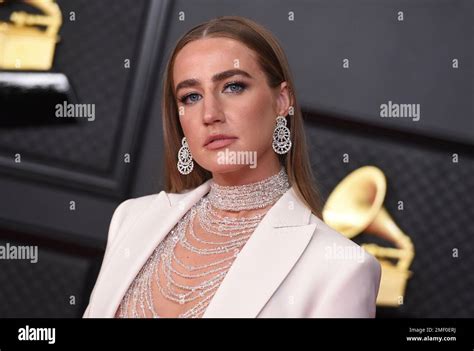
{"type": "Point", "coordinates": [247, 175]}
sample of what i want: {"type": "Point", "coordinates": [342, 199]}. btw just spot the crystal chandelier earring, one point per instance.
{"type": "Point", "coordinates": [185, 159]}
{"type": "Point", "coordinates": [281, 136]}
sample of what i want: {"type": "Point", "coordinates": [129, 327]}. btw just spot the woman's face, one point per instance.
{"type": "Point", "coordinates": [221, 89]}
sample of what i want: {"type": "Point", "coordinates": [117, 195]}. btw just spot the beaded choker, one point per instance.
{"type": "Point", "coordinates": [169, 273]}
{"type": "Point", "coordinates": [249, 196]}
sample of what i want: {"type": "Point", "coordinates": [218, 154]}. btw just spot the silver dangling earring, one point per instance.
{"type": "Point", "coordinates": [281, 136]}
{"type": "Point", "coordinates": [185, 159]}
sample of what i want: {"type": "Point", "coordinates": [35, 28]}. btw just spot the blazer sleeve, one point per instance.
{"type": "Point", "coordinates": [353, 292]}
{"type": "Point", "coordinates": [115, 224]}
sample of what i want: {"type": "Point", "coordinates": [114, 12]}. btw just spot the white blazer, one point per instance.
{"type": "Point", "coordinates": [293, 265]}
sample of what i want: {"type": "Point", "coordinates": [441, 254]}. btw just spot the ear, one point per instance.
{"type": "Point", "coordinates": [284, 99]}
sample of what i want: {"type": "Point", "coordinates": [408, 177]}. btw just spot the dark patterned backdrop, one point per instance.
{"type": "Point", "coordinates": [83, 161]}
{"type": "Point", "coordinates": [92, 54]}
{"type": "Point", "coordinates": [438, 207]}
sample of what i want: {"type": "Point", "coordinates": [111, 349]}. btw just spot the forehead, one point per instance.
{"type": "Point", "coordinates": [200, 59]}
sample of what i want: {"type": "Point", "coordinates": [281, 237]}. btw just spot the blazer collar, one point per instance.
{"type": "Point", "coordinates": [262, 264]}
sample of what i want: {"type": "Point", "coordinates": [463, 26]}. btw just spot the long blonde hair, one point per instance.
{"type": "Point", "coordinates": [274, 64]}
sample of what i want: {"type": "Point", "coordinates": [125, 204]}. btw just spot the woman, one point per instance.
{"type": "Point", "coordinates": [237, 233]}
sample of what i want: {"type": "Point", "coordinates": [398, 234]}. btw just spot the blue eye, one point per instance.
{"type": "Point", "coordinates": [192, 96]}
{"type": "Point", "coordinates": [241, 87]}
{"type": "Point", "coordinates": [235, 88]}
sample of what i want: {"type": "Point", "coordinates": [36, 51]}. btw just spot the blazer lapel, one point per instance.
{"type": "Point", "coordinates": [128, 256]}
{"type": "Point", "coordinates": [264, 261]}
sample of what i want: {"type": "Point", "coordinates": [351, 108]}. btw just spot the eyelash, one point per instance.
{"type": "Point", "coordinates": [242, 85]}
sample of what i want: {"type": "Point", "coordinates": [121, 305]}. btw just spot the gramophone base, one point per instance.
{"type": "Point", "coordinates": [30, 98]}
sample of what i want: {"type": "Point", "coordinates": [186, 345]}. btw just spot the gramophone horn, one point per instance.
{"type": "Point", "coordinates": [356, 206]}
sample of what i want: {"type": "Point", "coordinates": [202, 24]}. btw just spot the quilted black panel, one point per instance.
{"type": "Point", "coordinates": [44, 289]}
{"type": "Point", "coordinates": [437, 215]}
{"type": "Point", "coordinates": [91, 54]}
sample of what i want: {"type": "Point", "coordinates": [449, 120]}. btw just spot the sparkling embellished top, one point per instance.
{"type": "Point", "coordinates": [186, 268]}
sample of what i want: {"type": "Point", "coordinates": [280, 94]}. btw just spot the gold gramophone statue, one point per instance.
{"type": "Point", "coordinates": [356, 206]}
{"type": "Point", "coordinates": [29, 90]}
{"type": "Point", "coordinates": [26, 46]}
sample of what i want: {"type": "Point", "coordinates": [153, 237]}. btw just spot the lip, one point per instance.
{"type": "Point", "coordinates": [218, 140]}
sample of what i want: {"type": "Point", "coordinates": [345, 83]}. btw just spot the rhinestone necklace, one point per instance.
{"type": "Point", "coordinates": [195, 285]}
{"type": "Point", "coordinates": [249, 196]}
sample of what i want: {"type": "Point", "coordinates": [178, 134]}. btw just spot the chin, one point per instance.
{"type": "Point", "coordinates": [226, 160]}
{"type": "Point", "coordinates": [223, 168]}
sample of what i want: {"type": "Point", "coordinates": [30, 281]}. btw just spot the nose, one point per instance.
{"type": "Point", "coordinates": [212, 110]}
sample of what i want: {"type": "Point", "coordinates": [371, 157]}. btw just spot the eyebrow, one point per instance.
{"type": "Point", "coordinates": [188, 83]}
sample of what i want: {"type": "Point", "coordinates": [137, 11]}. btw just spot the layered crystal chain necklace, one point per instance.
{"type": "Point", "coordinates": [163, 269]}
